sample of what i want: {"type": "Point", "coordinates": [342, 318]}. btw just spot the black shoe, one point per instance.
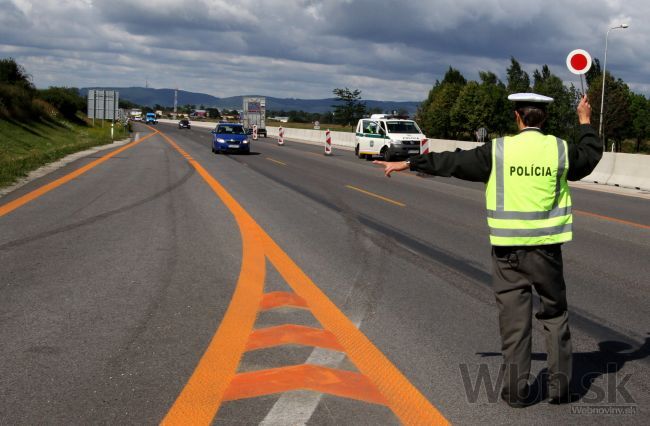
{"type": "Point", "coordinates": [518, 403]}
{"type": "Point", "coordinates": [564, 399]}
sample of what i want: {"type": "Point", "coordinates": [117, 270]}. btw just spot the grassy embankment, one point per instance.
{"type": "Point", "coordinates": [26, 146]}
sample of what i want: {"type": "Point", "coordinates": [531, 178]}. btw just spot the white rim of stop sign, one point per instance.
{"type": "Point", "coordinates": [578, 52]}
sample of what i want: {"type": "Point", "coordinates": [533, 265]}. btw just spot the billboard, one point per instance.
{"type": "Point", "coordinates": [103, 104]}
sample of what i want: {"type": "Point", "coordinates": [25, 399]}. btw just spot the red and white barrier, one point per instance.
{"type": "Point", "coordinates": [328, 142]}
{"type": "Point", "coordinates": [280, 136]}
{"type": "Point", "coordinates": [254, 132]}
{"type": "Point", "coordinates": [424, 146]}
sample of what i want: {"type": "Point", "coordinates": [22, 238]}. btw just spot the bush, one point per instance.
{"type": "Point", "coordinates": [16, 103]}
{"type": "Point", "coordinates": [14, 74]}
{"type": "Point", "coordinates": [66, 100]}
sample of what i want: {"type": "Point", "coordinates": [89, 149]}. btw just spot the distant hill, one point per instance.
{"type": "Point", "coordinates": [150, 97]}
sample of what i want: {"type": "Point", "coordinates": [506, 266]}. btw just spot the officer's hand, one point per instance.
{"type": "Point", "coordinates": [392, 167]}
{"type": "Point", "coordinates": [584, 111]}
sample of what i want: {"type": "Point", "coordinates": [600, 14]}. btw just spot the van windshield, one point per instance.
{"type": "Point", "coordinates": [403, 127]}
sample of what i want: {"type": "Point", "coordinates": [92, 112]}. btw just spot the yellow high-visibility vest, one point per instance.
{"type": "Point", "coordinates": [527, 196]}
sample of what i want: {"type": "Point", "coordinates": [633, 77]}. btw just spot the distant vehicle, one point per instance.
{"type": "Point", "coordinates": [151, 118]}
{"type": "Point", "coordinates": [230, 137]}
{"type": "Point", "coordinates": [389, 136]}
{"type": "Point", "coordinates": [184, 124]}
{"type": "Point", "coordinates": [198, 114]}
{"type": "Point", "coordinates": [135, 114]}
{"type": "Point", "coordinates": [254, 114]}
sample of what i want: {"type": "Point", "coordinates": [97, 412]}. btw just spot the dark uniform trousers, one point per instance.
{"type": "Point", "coordinates": [516, 271]}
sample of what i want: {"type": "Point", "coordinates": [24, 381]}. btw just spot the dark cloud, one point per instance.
{"type": "Point", "coordinates": [390, 50]}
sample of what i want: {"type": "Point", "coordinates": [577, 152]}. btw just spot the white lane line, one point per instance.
{"type": "Point", "coordinates": [296, 408]}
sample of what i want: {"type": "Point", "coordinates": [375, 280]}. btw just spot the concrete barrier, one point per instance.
{"type": "Point", "coordinates": [620, 169]}
{"type": "Point", "coordinates": [201, 124]}
{"type": "Point", "coordinates": [441, 145]}
{"type": "Point", "coordinates": [631, 171]}
{"type": "Point", "coordinates": [345, 140]}
{"type": "Point", "coordinates": [603, 170]}
{"type": "Point", "coordinates": [625, 170]}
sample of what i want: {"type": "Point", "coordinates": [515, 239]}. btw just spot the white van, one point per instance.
{"type": "Point", "coordinates": [387, 135]}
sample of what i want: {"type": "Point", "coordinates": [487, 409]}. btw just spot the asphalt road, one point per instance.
{"type": "Point", "coordinates": [113, 285]}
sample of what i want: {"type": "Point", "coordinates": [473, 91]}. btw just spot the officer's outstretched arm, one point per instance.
{"type": "Point", "coordinates": [392, 167]}
{"type": "Point", "coordinates": [585, 155]}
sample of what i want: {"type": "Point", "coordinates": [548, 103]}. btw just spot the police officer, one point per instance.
{"type": "Point", "coordinates": [529, 216]}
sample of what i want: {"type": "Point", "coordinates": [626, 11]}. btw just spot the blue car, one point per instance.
{"type": "Point", "coordinates": [230, 137]}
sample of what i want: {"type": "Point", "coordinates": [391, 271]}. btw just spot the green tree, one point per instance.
{"type": "Point", "coordinates": [518, 79]}
{"type": "Point", "coordinates": [350, 108]}
{"type": "Point", "coordinates": [17, 93]}
{"type": "Point", "coordinates": [434, 114]}
{"type": "Point", "coordinates": [127, 104]}
{"type": "Point", "coordinates": [482, 104]}
{"type": "Point", "coordinates": [14, 74]}
{"type": "Point", "coordinates": [466, 114]}
{"type": "Point", "coordinates": [495, 103]}
{"type": "Point", "coordinates": [453, 76]}
{"type": "Point", "coordinates": [561, 120]}
{"type": "Point", "coordinates": [616, 111]}
{"type": "Point", "coordinates": [65, 99]}
{"type": "Point", "coordinates": [593, 72]}
{"type": "Point", "coordinates": [640, 115]}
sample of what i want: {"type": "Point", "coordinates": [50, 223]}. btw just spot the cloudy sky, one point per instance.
{"type": "Point", "coordinates": [390, 50]}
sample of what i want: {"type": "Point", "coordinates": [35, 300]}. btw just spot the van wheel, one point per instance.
{"type": "Point", "coordinates": [386, 154]}
{"type": "Point", "coordinates": [356, 151]}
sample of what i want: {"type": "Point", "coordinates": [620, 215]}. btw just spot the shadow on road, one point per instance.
{"type": "Point", "coordinates": [610, 358]}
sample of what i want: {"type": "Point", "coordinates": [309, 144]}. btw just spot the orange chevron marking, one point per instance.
{"type": "Point", "coordinates": [342, 383]}
{"type": "Point", "coordinates": [215, 378]}
{"type": "Point", "coordinates": [292, 334]}
{"type": "Point", "coordinates": [279, 299]}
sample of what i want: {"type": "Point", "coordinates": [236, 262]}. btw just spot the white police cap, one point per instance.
{"type": "Point", "coordinates": [530, 98]}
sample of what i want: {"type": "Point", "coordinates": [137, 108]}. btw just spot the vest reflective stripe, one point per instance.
{"type": "Point", "coordinates": [500, 184]}
{"type": "Point", "coordinates": [532, 206]}
{"type": "Point", "coordinates": [561, 160]}
{"type": "Point", "coordinates": [557, 211]}
{"type": "Point", "coordinates": [539, 232]}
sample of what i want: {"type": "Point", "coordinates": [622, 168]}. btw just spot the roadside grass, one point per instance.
{"type": "Point", "coordinates": [27, 146]}
{"type": "Point", "coordinates": [332, 127]}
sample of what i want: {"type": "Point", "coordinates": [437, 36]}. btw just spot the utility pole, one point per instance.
{"type": "Point", "coordinates": [175, 100]}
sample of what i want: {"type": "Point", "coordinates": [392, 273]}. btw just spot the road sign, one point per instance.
{"type": "Point", "coordinates": [578, 61]}
{"type": "Point", "coordinates": [481, 134]}
{"type": "Point", "coordinates": [103, 104]}
{"type": "Point", "coordinates": [316, 125]}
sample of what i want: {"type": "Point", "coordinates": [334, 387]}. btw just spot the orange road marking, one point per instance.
{"type": "Point", "coordinates": [372, 194]}
{"type": "Point", "coordinates": [21, 201]}
{"type": "Point", "coordinates": [312, 377]}
{"type": "Point", "coordinates": [611, 219]}
{"type": "Point", "coordinates": [292, 334]}
{"type": "Point", "coordinates": [410, 406]}
{"type": "Point", "coordinates": [214, 379]}
{"type": "Point", "coordinates": [203, 393]}
{"type": "Point", "coordinates": [279, 299]}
